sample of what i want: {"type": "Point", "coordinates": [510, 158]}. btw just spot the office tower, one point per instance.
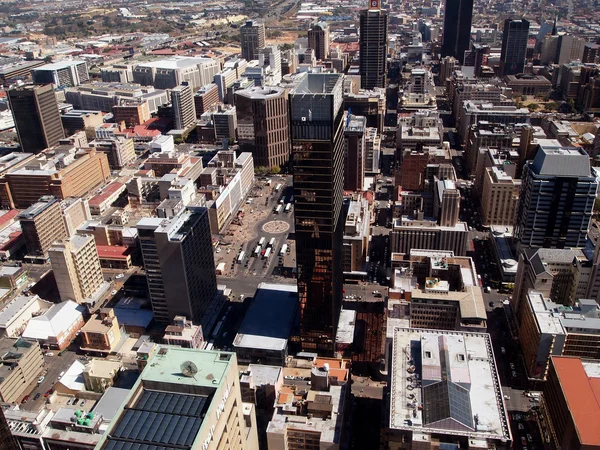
{"type": "Point", "coordinates": [591, 52]}
{"type": "Point", "coordinates": [206, 99]}
{"type": "Point", "coordinates": [457, 28]}
{"type": "Point", "coordinates": [373, 46]}
{"type": "Point", "coordinates": [514, 46]}
{"type": "Point", "coordinates": [7, 442]}
{"type": "Point", "coordinates": [252, 39]}
{"type": "Point", "coordinates": [318, 39]}
{"type": "Point", "coordinates": [170, 72]}
{"type": "Point", "coordinates": [76, 267]}
{"type": "Point", "coordinates": [317, 152]}
{"type": "Point", "coordinates": [37, 120]}
{"type": "Point", "coordinates": [557, 199]}
{"type": "Point", "coordinates": [180, 268]}
{"type": "Point", "coordinates": [62, 74]}
{"type": "Point", "coordinates": [354, 152]}
{"type": "Point", "coordinates": [271, 56]}
{"type": "Point", "coordinates": [263, 125]}
{"type": "Point", "coordinates": [184, 110]}
{"type": "Point", "coordinates": [446, 202]}
{"type": "Point", "coordinates": [184, 399]}
{"type": "Point", "coordinates": [42, 225]}
{"type": "Point", "coordinates": [132, 112]}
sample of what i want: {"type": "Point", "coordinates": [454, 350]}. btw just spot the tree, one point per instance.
{"type": "Point", "coordinates": [286, 46]}
{"type": "Point", "coordinates": [275, 170]}
{"type": "Point", "coordinates": [260, 170]}
{"type": "Point", "coordinates": [533, 107]}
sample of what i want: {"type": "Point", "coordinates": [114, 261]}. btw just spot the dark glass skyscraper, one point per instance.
{"type": "Point", "coordinates": [373, 46]}
{"type": "Point", "coordinates": [7, 442]}
{"type": "Point", "coordinates": [317, 151]}
{"type": "Point", "coordinates": [514, 46]}
{"type": "Point", "coordinates": [457, 28]}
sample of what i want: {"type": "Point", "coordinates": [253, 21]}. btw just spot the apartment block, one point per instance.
{"type": "Point", "coordinates": [252, 35]}
{"type": "Point", "coordinates": [499, 198]}
{"type": "Point", "coordinates": [76, 268]}
{"type": "Point", "coordinates": [206, 99]}
{"type": "Point", "coordinates": [42, 225]}
{"type": "Point", "coordinates": [184, 110]}
{"type": "Point", "coordinates": [119, 151]}
{"type": "Point", "coordinates": [22, 363]}
{"type": "Point", "coordinates": [101, 333]}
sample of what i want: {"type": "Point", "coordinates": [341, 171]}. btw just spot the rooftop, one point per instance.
{"type": "Point", "coordinates": [561, 161]}
{"type": "Point", "coordinates": [176, 62]}
{"type": "Point", "coordinates": [59, 65]}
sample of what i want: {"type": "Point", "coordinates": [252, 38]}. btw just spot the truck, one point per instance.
{"type": "Point", "coordinates": [283, 249]}
{"type": "Point", "coordinates": [267, 253]}
{"type": "Point", "coordinates": [256, 250]}
{"type": "Point", "coordinates": [262, 241]}
{"type": "Point", "coordinates": [241, 257]}
{"type": "Point", "coordinates": [272, 242]}
{"type": "Point", "coordinates": [278, 209]}
{"type": "Point", "coordinates": [288, 207]}
{"type": "Point", "coordinates": [278, 187]}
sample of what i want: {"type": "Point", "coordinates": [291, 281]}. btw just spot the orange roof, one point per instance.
{"type": "Point", "coordinates": [112, 251]}
{"type": "Point", "coordinates": [8, 217]}
{"type": "Point", "coordinates": [583, 397]}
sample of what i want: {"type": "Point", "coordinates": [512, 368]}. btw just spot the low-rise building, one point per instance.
{"type": "Point", "coordinates": [183, 333]}
{"type": "Point", "coordinates": [21, 363]}
{"type": "Point", "coordinates": [108, 195]}
{"type": "Point", "coordinates": [15, 316]}
{"type": "Point", "coordinates": [100, 374]}
{"type": "Point", "coordinates": [410, 233]}
{"type": "Point", "coordinates": [101, 333]}
{"type": "Point", "coordinates": [57, 327]}
{"type": "Point", "coordinates": [528, 84]}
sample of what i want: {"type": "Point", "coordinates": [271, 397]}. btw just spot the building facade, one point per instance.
{"type": "Point", "coordinates": [373, 46]}
{"type": "Point", "coordinates": [514, 46]}
{"type": "Point", "coordinates": [456, 34]}
{"type": "Point", "coordinates": [252, 39]}
{"type": "Point", "coordinates": [42, 225]}
{"type": "Point", "coordinates": [318, 40]}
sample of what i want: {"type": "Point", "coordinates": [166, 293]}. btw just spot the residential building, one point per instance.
{"type": "Point", "coordinates": [372, 151]}
{"type": "Point", "coordinates": [206, 383]}
{"type": "Point", "coordinates": [184, 110]}
{"type": "Point", "coordinates": [454, 395]}
{"type": "Point", "coordinates": [101, 333]}
{"type": "Point", "coordinates": [173, 71]}
{"type": "Point", "coordinates": [42, 225]}
{"type": "Point", "coordinates": [76, 268]}
{"type": "Point", "coordinates": [183, 333]}
{"type": "Point", "coordinates": [514, 46]}
{"type": "Point", "coordinates": [354, 152]}
{"type": "Point", "coordinates": [317, 149]}
{"type": "Point", "coordinates": [591, 52]}
{"type": "Point", "coordinates": [225, 123]}
{"type": "Point", "coordinates": [119, 151]}
{"type": "Point", "coordinates": [560, 184]}
{"type": "Point", "coordinates": [499, 198]}
{"type": "Point", "coordinates": [179, 264]}
{"type": "Point", "coordinates": [356, 235]}
{"type": "Point", "coordinates": [21, 364]}
{"type": "Point", "coordinates": [456, 35]}
{"type": "Point", "coordinates": [263, 125]}
{"type": "Point", "coordinates": [569, 404]}
{"type": "Point", "coordinates": [549, 329]}
{"type": "Point", "coordinates": [62, 74]}
{"type": "Point", "coordinates": [318, 40]}
{"type": "Point", "coordinates": [36, 116]}
{"type": "Point", "coordinates": [252, 39]}
{"type": "Point", "coordinates": [421, 233]}
{"type": "Point", "coordinates": [373, 46]}
{"type": "Point", "coordinates": [57, 327]}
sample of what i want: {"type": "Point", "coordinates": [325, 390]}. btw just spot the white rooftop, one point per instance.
{"type": "Point", "coordinates": [56, 322]}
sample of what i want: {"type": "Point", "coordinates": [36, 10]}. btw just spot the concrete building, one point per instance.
{"type": "Point", "coordinates": [514, 46]}
{"type": "Point", "coordinates": [101, 96]}
{"type": "Point", "coordinates": [420, 233]}
{"type": "Point", "coordinates": [21, 364]}
{"type": "Point", "coordinates": [132, 112]}
{"type": "Point", "coordinates": [36, 117]}
{"type": "Point", "coordinates": [367, 103]}
{"type": "Point", "coordinates": [171, 72]}
{"type": "Point", "coordinates": [184, 109]}
{"type": "Point", "coordinates": [373, 46]}
{"type": "Point", "coordinates": [17, 313]}
{"type": "Point", "coordinates": [567, 404]}
{"type": "Point", "coordinates": [101, 374]}
{"type": "Point", "coordinates": [206, 99]}
{"type": "Point", "coordinates": [42, 225]}
{"type": "Point", "coordinates": [263, 125]}
{"type": "Point", "coordinates": [62, 74]}
{"type": "Point", "coordinates": [225, 123]}
{"type": "Point", "coordinates": [356, 236]}
{"type": "Point", "coordinates": [119, 151]}
{"type": "Point", "coordinates": [354, 152]}
{"type": "Point", "coordinates": [550, 329]}
{"type": "Point", "coordinates": [183, 333]}
{"type": "Point", "coordinates": [372, 151]}
{"type": "Point", "coordinates": [560, 184]}
{"type": "Point", "coordinates": [76, 120]}
{"type": "Point", "coordinates": [528, 84]}
{"type": "Point", "coordinates": [66, 172]}
{"type": "Point", "coordinates": [453, 397]}
{"type": "Point", "coordinates": [318, 39]}
{"type": "Point", "coordinates": [101, 333]}
{"type": "Point", "coordinates": [76, 268]}
{"type": "Point", "coordinates": [499, 198]}
{"type": "Point", "coordinates": [8, 441]}
{"type": "Point", "coordinates": [252, 39]}
{"type": "Point", "coordinates": [57, 327]}
{"type": "Point", "coordinates": [420, 129]}
{"type": "Point", "coordinates": [213, 415]}
{"type": "Point", "coordinates": [179, 264]}
{"type": "Point", "coordinates": [446, 202]}
{"type": "Point", "coordinates": [477, 111]}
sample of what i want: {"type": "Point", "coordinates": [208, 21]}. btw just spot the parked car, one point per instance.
{"type": "Point", "coordinates": [41, 379]}
{"type": "Point", "coordinates": [38, 395]}
{"type": "Point", "coordinates": [25, 399]}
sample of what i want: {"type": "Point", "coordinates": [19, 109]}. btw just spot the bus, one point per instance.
{"type": "Point", "coordinates": [272, 242]}
{"type": "Point", "coordinates": [256, 250]}
{"type": "Point", "coordinates": [278, 209]}
{"type": "Point", "coordinates": [278, 187]}
{"type": "Point", "coordinates": [241, 257]}
{"type": "Point", "coordinates": [267, 253]}
{"type": "Point", "coordinates": [283, 249]}
{"type": "Point", "coordinates": [288, 207]}
{"type": "Point", "coordinates": [262, 241]}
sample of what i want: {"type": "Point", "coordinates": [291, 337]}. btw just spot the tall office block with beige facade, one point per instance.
{"type": "Point", "coordinates": [76, 268]}
{"type": "Point", "coordinates": [21, 364]}
{"type": "Point", "coordinates": [500, 197]}
{"type": "Point", "coordinates": [194, 392]}
{"type": "Point", "coordinates": [42, 225]}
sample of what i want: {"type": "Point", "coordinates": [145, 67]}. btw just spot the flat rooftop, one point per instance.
{"type": "Point", "coordinates": [441, 380]}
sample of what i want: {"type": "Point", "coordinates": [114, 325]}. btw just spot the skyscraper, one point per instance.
{"type": "Point", "coordinates": [42, 225]}
{"type": "Point", "coordinates": [7, 442]}
{"type": "Point", "coordinates": [354, 152]}
{"type": "Point", "coordinates": [35, 111]}
{"type": "Point", "coordinates": [457, 28]}
{"type": "Point", "coordinates": [263, 125]}
{"type": "Point", "coordinates": [318, 39]}
{"type": "Point", "coordinates": [317, 133]}
{"type": "Point", "coordinates": [184, 110]}
{"type": "Point", "coordinates": [514, 46]}
{"type": "Point", "coordinates": [556, 200]}
{"type": "Point", "coordinates": [252, 39]}
{"type": "Point", "coordinates": [373, 46]}
{"type": "Point", "coordinates": [180, 267]}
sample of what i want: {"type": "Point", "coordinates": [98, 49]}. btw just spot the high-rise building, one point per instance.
{"type": "Point", "coordinates": [36, 116]}
{"type": "Point", "coordinates": [184, 399]}
{"type": "Point", "coordinates": [184, 110]}
{"type": "Point", "coordinates": [373, 46]}
{"type": "Point", "coordinates": [263, 125]}
{"type": "Point", "coordinates": [252, 37]}
{"type": "Point", "coordinates": [76, 267]}
{"type": "Point", "coordinates": [8, 441]}
{"type": "Point", "coordinates": [456, 35]}
{"type": "Point", "coordinates": [22, 363]}
{"type": "Point", "coordinates": [62, 73]}
{"type": "Point", "coordinates": [514, 46]}
{"type": "Point", "coordinates": [317, 133]}
{"type": "Point", "coordinates": [271, 56]}
{"type": "Point", "coordinates": [180, 267]}
{"type": "Point", "coordinates": [446, 201]}
{"type": "Point", "coordinates": [354, 152]}
{"type": "Point", "coordinates": [42, 225]}
{"type": "Point", "coordinates": [318, 39]}
{"type": "Point", "coordinates": [557, 199]}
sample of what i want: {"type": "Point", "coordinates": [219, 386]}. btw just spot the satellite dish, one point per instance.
{"type": "Point", "coordinates": [189, 369]}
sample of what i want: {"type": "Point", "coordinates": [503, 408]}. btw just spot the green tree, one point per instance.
{"type": "Point", "coordinates": [260, 170]}
{"type": "Point", "coordinates": [275, 170]}
{"type": "Point", "coordinates": [533, 107]}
